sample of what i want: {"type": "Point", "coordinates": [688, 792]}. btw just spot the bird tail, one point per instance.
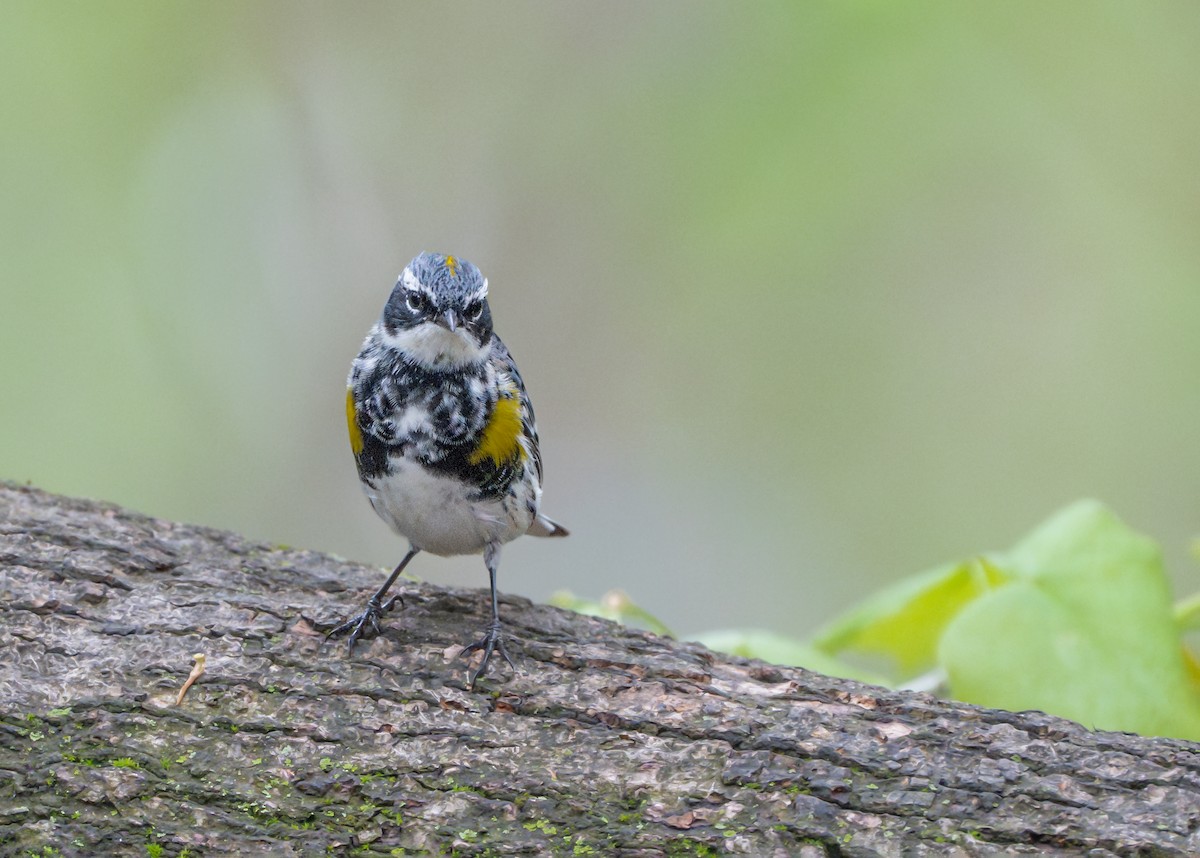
{"type": "Point", "coordinates": [543, 526]}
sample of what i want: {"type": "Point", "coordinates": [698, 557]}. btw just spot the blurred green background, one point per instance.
{"type": "Point", "coordinates": [808, 296]}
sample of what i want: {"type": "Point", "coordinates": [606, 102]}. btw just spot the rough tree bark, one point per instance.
{"type": "Point", "coordinates": [609, 741]}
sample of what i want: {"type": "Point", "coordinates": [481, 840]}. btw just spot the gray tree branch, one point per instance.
{"type": "Point", "coordinates": [609, 742]}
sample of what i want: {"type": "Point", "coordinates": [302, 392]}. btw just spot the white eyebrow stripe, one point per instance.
{"type": "Point", "coordinates": [481, 292]}
{"type": "Point", "coordinates": [410, 282]}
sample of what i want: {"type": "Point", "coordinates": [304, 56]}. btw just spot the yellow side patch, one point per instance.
{"type": "Point", "coordinates": [452, 264]}
{"type": "Point", "coordinates": [356, 438]}
{"type": "Point", "coordinates": [498, 441]}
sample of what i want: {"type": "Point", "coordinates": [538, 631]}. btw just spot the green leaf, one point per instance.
{"type": "Point", "coordinates": [1084, 629]}
{"type": "Point", "coordinates": [905, 621]}
{"type": "Point", "coordinates": [1187, 613]}
{"type": "Point", "coordinates": [778, 649]}
{"type": "Point", "coordinates": [614, 605]}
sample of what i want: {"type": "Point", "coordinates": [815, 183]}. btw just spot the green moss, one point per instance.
{"type": "Point", "coordinates": [685, 846]}
{"type": "Point", "coordinates": [541, 825]}
{"type": "Point", "coordinates": [126, 763]}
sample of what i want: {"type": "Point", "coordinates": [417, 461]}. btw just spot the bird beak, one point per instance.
{"type": "Point", "coordinates": [450, 319]}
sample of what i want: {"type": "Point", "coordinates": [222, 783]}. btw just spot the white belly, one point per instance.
{"type": "Point", "coordinates": [436, 514]}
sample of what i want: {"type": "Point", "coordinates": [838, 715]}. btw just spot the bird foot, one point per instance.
{"type": "Point", "coordinates": [489, 643]}
{"type": "Point", "coordinates": [365, 624]}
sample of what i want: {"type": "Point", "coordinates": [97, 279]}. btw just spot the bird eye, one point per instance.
{"type": "Point", "coordinates": [417, 302]}
{"type": "Point", "coordinates": [473, 311]}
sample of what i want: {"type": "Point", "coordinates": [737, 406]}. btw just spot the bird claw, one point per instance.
{"type": "Point", "coordinates": [365, 624]}
{"type": "Point", "coordinates": [489, 643]}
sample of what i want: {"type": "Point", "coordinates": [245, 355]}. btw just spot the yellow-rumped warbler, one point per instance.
{"type": "Point", "coordinates": [443, 432]}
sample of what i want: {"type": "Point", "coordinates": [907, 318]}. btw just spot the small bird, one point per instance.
{"type": "Point", "coordinates": [443, 432]}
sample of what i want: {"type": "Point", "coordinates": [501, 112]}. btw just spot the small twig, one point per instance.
{"type": "Point", "coordinates": [192, 677]}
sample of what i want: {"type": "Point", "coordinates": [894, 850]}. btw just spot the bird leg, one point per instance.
{"type": "Point", "coordinates": [491, 640]}
{"type": "Point", "coordinates": [368, 621]}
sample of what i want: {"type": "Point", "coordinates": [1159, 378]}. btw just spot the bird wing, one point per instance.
{"type": "Point", "coordinates": [506, 366]}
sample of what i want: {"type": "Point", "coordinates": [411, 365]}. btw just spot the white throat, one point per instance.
{"type": "Point", "coordinates": [435, 347]}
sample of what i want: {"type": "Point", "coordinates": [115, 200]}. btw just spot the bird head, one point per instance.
{"type": "Point", "coordinates": [438, 314]}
